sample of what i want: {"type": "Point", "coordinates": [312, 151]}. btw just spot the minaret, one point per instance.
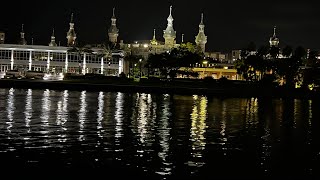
{"type": "Point", "coordinates": [53, 39]}
{"type": "Point", "coordinates": [113, 31]}
{"type": "Point", "coordinates": [274, 41]}
{"type": "Point", "coordinates": [22, 39]}
{"type": "Point", "coordinates": [201, 38]}
{"type": "Point", "coordinates": [71, 34]}
{"type": "Point", "coordinates": [169, 34]}
{"type": "Point", "coordinates": [154, 40]}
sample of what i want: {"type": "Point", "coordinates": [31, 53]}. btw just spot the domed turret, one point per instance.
{"type": "Point", "coordinates": [274, 41]}
{"type": "Point", "coordinates": [71, 34]}
{"type": "Point", "coordinates": [201, 38]}
{"type": "Point", "coordinates": [113, 31]}
{"type": "Point", "coordinates": [169, 34]}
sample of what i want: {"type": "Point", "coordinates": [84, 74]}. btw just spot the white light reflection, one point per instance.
{"type": "Point", "coordinates": [62, 116]}
{"type": "Point", "coordinates": [119, 122]}
{"type": "Point", "coordinates": [10, 109]}
{"type": "Point", "coordinates": [45, 115]}
{"type": "Point", "coordinates": [223, 126]}
{"type": "Point", "coordinates": [164, 135]}
{"type": "Point", "coordinates": [28, 111]}
{"type": "Point", "coordinates": [100, 113]}
{"type": "Point", "coordinates": [266, 147]}
{"type": "Point", "coordinates": [82, 114]}
{"type": "Point", "coordinates": [309, 132]}
{"type": "Point", "coordinates": [142, 118]}
{"type": "Point", "coordinates": [198, 129]}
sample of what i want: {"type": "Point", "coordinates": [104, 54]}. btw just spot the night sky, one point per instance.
{"type": "Point", "coordinates": [229, 24]}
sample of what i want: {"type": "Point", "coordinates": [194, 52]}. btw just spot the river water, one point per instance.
{"type": "Point", "coordinates": [159, 136]}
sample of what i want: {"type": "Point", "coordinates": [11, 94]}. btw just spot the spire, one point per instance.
{"type": "Point", "coordinates": [22, 38]}
{"type": "Point", "coordinates": [113, 31]}
{"type": "Point", "coordinates": [71, 20]}
{"type": "Point", "coordinates": [201, 19]}
{"type": "Point", "coordinates": [274, 30]}
{"type": "Point", "coordinates": [113, 14]}
{"type": "Point", "coordinates": [170, 18]}
{"type": "Point", "coordinates": [182, 38]}
{"type": "Point", "coordinates": [53, 39]}
{"type": "Point", "coordinates": [71, 34]}
{"type": "Point", "coordinates": [154, 40]}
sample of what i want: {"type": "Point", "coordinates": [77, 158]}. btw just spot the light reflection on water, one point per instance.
{"type": "Point", "coordinates": [10, 110]}
{"type": "Point", "coordinates": [82, 114]}
{"type": "Point", "coordinates": [160, 135]}
{"type": "Point", "coordinates": [198, 129]}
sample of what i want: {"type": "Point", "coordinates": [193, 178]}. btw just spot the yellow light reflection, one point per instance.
{"type": "Point", "coordinates": [251, 112]}
{"type": "Point", "coordinates": [198, 129]}
{"type": "Point", "coordinates": [310, 112]}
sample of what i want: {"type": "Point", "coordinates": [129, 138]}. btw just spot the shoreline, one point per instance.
{"type": "Point", "coordinates": [229, 90]}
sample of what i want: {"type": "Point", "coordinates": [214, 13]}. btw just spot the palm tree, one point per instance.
{"type": "Point", "coordinates": [132, 59]}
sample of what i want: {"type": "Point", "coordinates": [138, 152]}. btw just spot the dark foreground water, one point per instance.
{"type": "Point", "coordinates": [157, 136]}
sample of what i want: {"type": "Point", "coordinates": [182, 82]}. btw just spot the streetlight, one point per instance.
{"type": "Point", "coordinates": [140, 60]}
{"type": "Point", "coordinates": [134, 70]}
{"type": "Point", "coordinates": [205, 67]}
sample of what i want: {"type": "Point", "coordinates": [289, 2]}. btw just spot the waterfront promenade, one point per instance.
{"type": "Point", "coordinates": [176, 86]}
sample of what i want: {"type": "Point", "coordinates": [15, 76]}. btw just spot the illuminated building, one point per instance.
{"type": "Point", "coordinates": [155, 46]}
{"type": "Point", "coordinates": [58, 59]}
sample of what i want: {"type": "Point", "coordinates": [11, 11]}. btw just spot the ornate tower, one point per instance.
{"type": "Point", "coordinates": [274, 41]}
{"type": "Point", "coordinates": [113, 31]}
{"type": "Point", "coordinates": [154, 41]}
{"type": "Point", "coordinates": [201, 38]}
{"type": "Point", "coordinates": [71, 34]}
{"type": "Point", "coordinates": [22, 39]}
{"type": "Point", "coordinates": [53, 39]}
{"type": "Point", "coordinates": [169, 34]}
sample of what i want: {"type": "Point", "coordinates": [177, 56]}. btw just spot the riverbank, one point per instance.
{"type": "Point", "coordinates": [226, 89]}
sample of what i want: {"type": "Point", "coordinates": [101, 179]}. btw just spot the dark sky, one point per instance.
{"type": "Point", "coordinates": [229, 24]}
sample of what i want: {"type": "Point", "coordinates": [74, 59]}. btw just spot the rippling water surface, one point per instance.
{"type": "Point", "coordinates": [159, 136]}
